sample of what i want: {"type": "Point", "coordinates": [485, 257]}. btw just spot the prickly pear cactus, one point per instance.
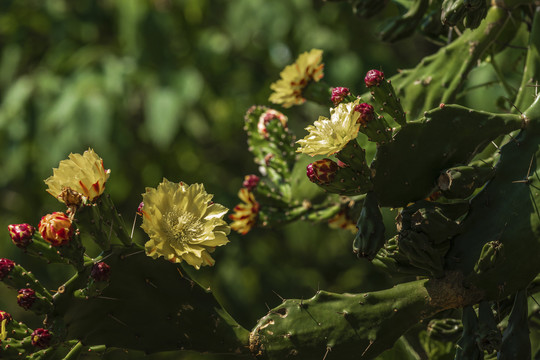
{"type": "Point", "coordinates": [463, 255]}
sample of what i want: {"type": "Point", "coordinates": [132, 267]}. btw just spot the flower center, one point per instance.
{"type": "Point", "coordinates": [183, 227]}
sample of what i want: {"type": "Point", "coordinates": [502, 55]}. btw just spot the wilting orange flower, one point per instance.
{"type": "Point", "coordinates": [295, 77]}
{"type": "Point", "coordinates": [245, 214]}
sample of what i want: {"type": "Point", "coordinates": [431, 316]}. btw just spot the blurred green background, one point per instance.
{"type": "Point", "coordinates": [159, 89]}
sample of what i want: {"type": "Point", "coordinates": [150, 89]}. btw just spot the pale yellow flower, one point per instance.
{"type": "Point", "coordinates": [245, 213]}
{"type": "Point", "coordinates": [183, 223]}
{"type": "Point", "coordinates": [295, 77]}
{"type": "Point", "coordinates": [328, 136]}
{"type": "Point", "coordinates": [84, 174]}
{"type": "Point", "coordinates": [342, 221]}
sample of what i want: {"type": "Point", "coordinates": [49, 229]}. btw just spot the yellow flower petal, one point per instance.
{"type": "Point", "coordinates": [182, 223]}
{"type": "Point", "coordinates": [84, 174]}
{"type": "Point", "coordinates": [295, 77]}
{"type": "Point", "coordinates": [328, 136]}
{"type": "Point", "coordinates": [245, 214]}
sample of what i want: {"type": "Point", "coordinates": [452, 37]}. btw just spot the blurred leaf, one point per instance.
{"type": "Point", "coordinates": [163, 110]}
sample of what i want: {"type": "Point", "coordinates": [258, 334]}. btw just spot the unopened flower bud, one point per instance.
{"type": "Point", "coordinates": [41, 338]}
{"type": "Point", "coordinates": [5, 267]}
{"type": "Point", "coordinates": [322, 171]}
{"type": "Point", "coordinates": [5, 316]}
{"type": "Point", "coordinates": [268, 116]}
{"type": "Point", "coordinates": [366, 113]}
{"type": "Point", "coordinates": [26, 298]}
{"type": "Point", "coordinates": [140, 208]}
{"type": "Point", "coordinates": [56, 228]}
{"type": "Point", "coordinates": [373, 78]}
{"type": "Point", "coordinates": [338, 94]}
{"type": "Point", "coordinates": [21, 234]}
{"type": "Point", "coordinates": [101, 271]}
{"type": "Point", "coordinates": [250, 181]}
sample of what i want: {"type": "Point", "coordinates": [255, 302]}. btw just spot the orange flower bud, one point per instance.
{"type": "Point", "coordinates": [56, 228]}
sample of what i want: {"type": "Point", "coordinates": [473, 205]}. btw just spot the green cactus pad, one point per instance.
{"type": "Point", "coordinates": [506, 210]}
{"type": "Point", "coordinates": [438, 78]}
{"type": "Point", "coordinates": [370, 236]}
{"type": "Point", "coordinates": [467, 348]}
{"type": "Point", "coordinates": [406, 169]}
{"type": "Point", "coordinates": [403, 26]}
{"type": "Point", "coordinates": [340, 324]}
{"type": "Point", "coordinates": [172, 312]}
{"type": "Point", "coordinates": [516, 344]}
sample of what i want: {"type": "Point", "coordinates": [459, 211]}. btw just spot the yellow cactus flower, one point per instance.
{"type": "Point", "coordinates": [83, 174]}
{"type": "Point", "coordinates": [183, 223]}
{"type": "Point", "coordinates": [295, 77]}
{"type": "Point", "coordinates": [342, 221]}
{"type": "Point", "coordinates": [328, 136]}
{"type": "Point", "coordinates": [245, 214]}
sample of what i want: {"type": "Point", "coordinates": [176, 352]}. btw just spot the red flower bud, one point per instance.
{"type": "Point", "coordinates": [26, 298]}
{"type": "Point", "coordinates": [41, 338]}
{"type": "Point", "coordinates": [366, 113]}
{"type": "Point", "coordinates": [250, 181]}
{"type": "Point", "coordinates": [322, 171]}
{"type": "Point", "coordinates": [21, 234]}
{"type": "Point", "coordinates": [101, 271]}
{"type": "Point", "coordinates": [5, 267]}
{"type": "Point", "coordinates": [56, 228]}
{"type": "Point", "coordinates": [139, 209]}
{"type": "Point", "coordinates": [373, 77]}
{"type": "Point", "coordinates": [268, 116]}
{"type": "Point", "coordinates": [338, 94]}
{"type": "Point", "coordinates": [4, 315]}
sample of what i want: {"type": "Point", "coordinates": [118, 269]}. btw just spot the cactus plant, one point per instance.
{"type": "Point", "coordinates": [467, 232]}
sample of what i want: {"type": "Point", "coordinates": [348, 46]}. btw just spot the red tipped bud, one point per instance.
{"type": "Point", "coordinates": [268, 116]}
{"type": "Point", "coordinates": [366, 113]}
{"type": "Point", "coordinates": [322, 171]}
{"type": "Point", "coordinates": [139, 209]}
{"type": "Point", "coordinates": [338, 94]}
{"type": "Point", "coordinates": [5, 316]}
{"type": "Point", "coordinates": [5, 267]}
{"type": "Point", "coordinates": [250, 181]}
{"type": "Point", "coordinates": [21, 234]}
{"type": "Point", "coordinates": [56, 228]}
{"type": "Point", "coordinates": [26, 298]}
{"type": "Point", "coordinates": [373, 78]}
{"type": "Point", "coordinates": [41, 338]}
{"type": "Point", "coordinates": [100, 271]}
